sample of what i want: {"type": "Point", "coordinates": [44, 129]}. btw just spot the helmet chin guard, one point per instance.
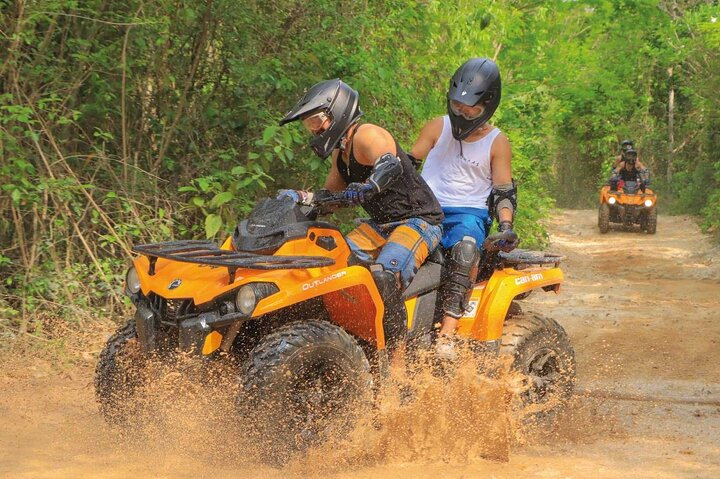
{"type": "Point", "coordinates": [339, 101]}
{"type": "Point", "coordinates": [477, 80]}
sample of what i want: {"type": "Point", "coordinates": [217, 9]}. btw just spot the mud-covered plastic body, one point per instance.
{"type": "Point", "coordinates": [629, 205]}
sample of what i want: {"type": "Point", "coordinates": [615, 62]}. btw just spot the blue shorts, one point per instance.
{"type": "Point", "coordinates": [460, 221]}
{"type": "Point", "coordinates": [401, 247]}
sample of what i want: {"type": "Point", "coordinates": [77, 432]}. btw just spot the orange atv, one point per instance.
{"type": "Point", "coordinates": [286, 297]}
{"type": "Point", "coordinates": [629, 205]}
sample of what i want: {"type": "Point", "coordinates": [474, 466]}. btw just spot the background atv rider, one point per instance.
{"type": "Point", "coordinates": [625, 146]}
{"type": "Point", "coordinates": [630, 170]}
{"type": "Point", "coordinates": [468, 167]}
{"type": "Point", "coordinates": [367, 162]}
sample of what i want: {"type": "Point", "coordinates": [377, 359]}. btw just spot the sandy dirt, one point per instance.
{"type": "Point", "coordinates": [643, 313]}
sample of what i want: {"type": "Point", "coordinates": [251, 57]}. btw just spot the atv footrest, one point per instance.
{"type": "Point", "coordinates": [206, 252]}
{"type": "Point", "coordinates": [528, 257]}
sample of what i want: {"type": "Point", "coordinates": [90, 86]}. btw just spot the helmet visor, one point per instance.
{"type": "Point", "coordinates": [317, 123]}
{"type": "Point", "coordinates": [466, 111]}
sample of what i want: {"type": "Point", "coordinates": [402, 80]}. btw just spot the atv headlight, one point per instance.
{"type": "Point", "coordinates": [250, 295]}
{"type": "Point", "coordinates": [648, 203]}
{"type": "Point", "coordinates": [612, 200]}
{"type": "Point", "coordinates": [246, 299]}
{"type": "Point", "coordinates": [132, 281]}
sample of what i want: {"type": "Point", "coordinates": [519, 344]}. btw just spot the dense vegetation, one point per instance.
{"type": "Point", "coordinates": [124, 122]}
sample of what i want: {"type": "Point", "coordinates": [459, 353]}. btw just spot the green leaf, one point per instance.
{"type": "Point", "coordinates": [269, 133]}
{"type": "Point", "coordinates": [222, 198]}
{"type": "Point", "coordinates": [203, 183]}
{"type": "Point", "coordinates": [213, 223]}
{"type": "Point", "coordinates": [197, 201]}
{"type": "Point", "coordinates": [238, 170]}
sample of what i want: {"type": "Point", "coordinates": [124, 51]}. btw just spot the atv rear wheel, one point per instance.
{"type": "Point", "coordinates": [302, 384]}
{"type": "Point", "coordinates": [651, 221]}
{"type": "Point", "coordinates": [544, 358]}
{"type": "Point", "coordinates": [118, 374]}
{"type": "Point", "coordinates": [604, 218]}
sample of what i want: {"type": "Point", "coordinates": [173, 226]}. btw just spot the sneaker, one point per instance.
{"type": "Point", "coordinates": [446, 348]}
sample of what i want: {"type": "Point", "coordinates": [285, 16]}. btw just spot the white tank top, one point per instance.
{"type": "Point", "coordinates": [460, 179]}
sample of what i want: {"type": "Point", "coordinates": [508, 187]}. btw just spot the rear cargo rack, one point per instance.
{"type": "Point", "coordinates": [528, 257]}
{"type": "Point", "coordinates": [206, 252]}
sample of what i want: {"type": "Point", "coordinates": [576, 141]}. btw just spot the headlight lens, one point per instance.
{"type": "Point", "coordinates": [132, 281]}
{"type": "Point", "coordinates": [612, 200]}
{"type": "Point", "coordinates": [246, 300]}
{"type": "Point", "coordinates": [648, 203]}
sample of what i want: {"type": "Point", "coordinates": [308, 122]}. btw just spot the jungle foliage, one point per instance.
{"type": "Point", "coordinates": [135, 121]}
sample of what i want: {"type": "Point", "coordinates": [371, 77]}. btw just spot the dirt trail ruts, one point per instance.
{"type": "Point", "coordinates": [642, 311]}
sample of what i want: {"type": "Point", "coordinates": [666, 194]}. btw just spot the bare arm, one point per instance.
{"type": "Point", "coordinates": [618, 160]}
{"type": "Point", "coordinates": [371, 142]}
{"type": "Point", "coordinates": [428, 138]}
{"type": "Point", "coordinates": [501, 166]}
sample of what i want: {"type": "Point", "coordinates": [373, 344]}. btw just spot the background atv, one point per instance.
{"type": "Point", "coordinates": [285, 297]}
{"type": "Point", "coordinates": [629, 205]}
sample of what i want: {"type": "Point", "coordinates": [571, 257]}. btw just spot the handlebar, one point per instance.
{"type": "Point", "coordinates": [329, 198]}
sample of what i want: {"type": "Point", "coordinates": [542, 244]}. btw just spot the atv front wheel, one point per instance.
{"type": "Point", "coordinates": [118, 373]}
{"type": "Point", "coordinates": [303, 384]}
{"type": "Point", "coordinates": [651, 221]}
{"type": "Point", "coordinates": [604, 218]}
{"type": "Point", "coordinates": [544, 358]}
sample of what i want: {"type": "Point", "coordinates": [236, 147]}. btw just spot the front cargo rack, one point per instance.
{"type": "Point", "coordinates": [206, 252]}
{"type": "Point", "coordinates": [528, 257]}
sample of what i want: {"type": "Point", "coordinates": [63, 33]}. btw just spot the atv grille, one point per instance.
{"type": "Point", "coordinates": [171, 311]}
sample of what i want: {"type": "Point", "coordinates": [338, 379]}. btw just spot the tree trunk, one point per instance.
{"type": "Point", "coordinates": [671, 127]}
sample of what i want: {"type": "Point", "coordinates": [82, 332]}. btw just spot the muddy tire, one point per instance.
{"type": "Point", "coordinates": [604, 218]}
{"type": "Point", "coordinates": [540, 352]}
{"type": "Point", "coordinates": [118, 373]}
{"type": "Point", "coordinates": [301, 385]}
{"type": "Point", "coordinates": [651, 221]}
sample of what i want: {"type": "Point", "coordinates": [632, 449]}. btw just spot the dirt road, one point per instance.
{"type": "Point", "coordinates": [642, 311]}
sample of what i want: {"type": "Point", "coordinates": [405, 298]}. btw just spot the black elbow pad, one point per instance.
{"type": "Point", "coordinates": [386, 170]}
{"type": "Point", "coordinates": [503, 196]}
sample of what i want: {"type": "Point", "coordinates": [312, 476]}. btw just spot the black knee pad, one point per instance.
{"type": "Point", "coordinates": [395, 317]}
{"type": "Point", "coordinates": [462, 272]}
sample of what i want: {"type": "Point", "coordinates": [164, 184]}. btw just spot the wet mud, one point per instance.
{"type": "Point", "coordinates": [643, 314]}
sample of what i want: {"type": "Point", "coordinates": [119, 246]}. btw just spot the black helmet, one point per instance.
{"type": "Point", "coordinates": [630, 155]}
{"type": "Point", "coordinates": [477, 80]}
{"type": "Point", "coordinates": [626, 145]}
{"type": "Point", "coordinates": [339, 101]}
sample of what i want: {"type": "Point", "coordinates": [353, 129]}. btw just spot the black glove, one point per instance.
{"type": "Point", "coordinates": [356, 193]}
{"type": "Point", "coordinates": [507, 245]}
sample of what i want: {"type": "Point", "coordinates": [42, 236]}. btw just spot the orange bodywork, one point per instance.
{"type": "Point", "coordinates": [348, 292]}
{"type": "Point", "coordinates": [623, 198]}
{"type": "Point", "coordinates": [491, 299]}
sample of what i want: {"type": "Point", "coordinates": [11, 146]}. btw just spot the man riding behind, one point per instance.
{"type": "Point", "coordinates": [372, 169]}
{"type": "Point", "coordinates": [468, 167]}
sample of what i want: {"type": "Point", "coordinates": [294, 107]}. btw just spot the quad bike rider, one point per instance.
{"type": "Point", "coordinates": [626, 199]}
{"type": "Point", "coordinates": [288, 298]}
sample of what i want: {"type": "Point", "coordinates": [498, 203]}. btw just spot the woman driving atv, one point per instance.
{"type": "Point", "coordinates": [630, 169]}
{"type": "Point", "coordinates": [367, 162]}
{"type": "Point", "coordinates": [468, 166]}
